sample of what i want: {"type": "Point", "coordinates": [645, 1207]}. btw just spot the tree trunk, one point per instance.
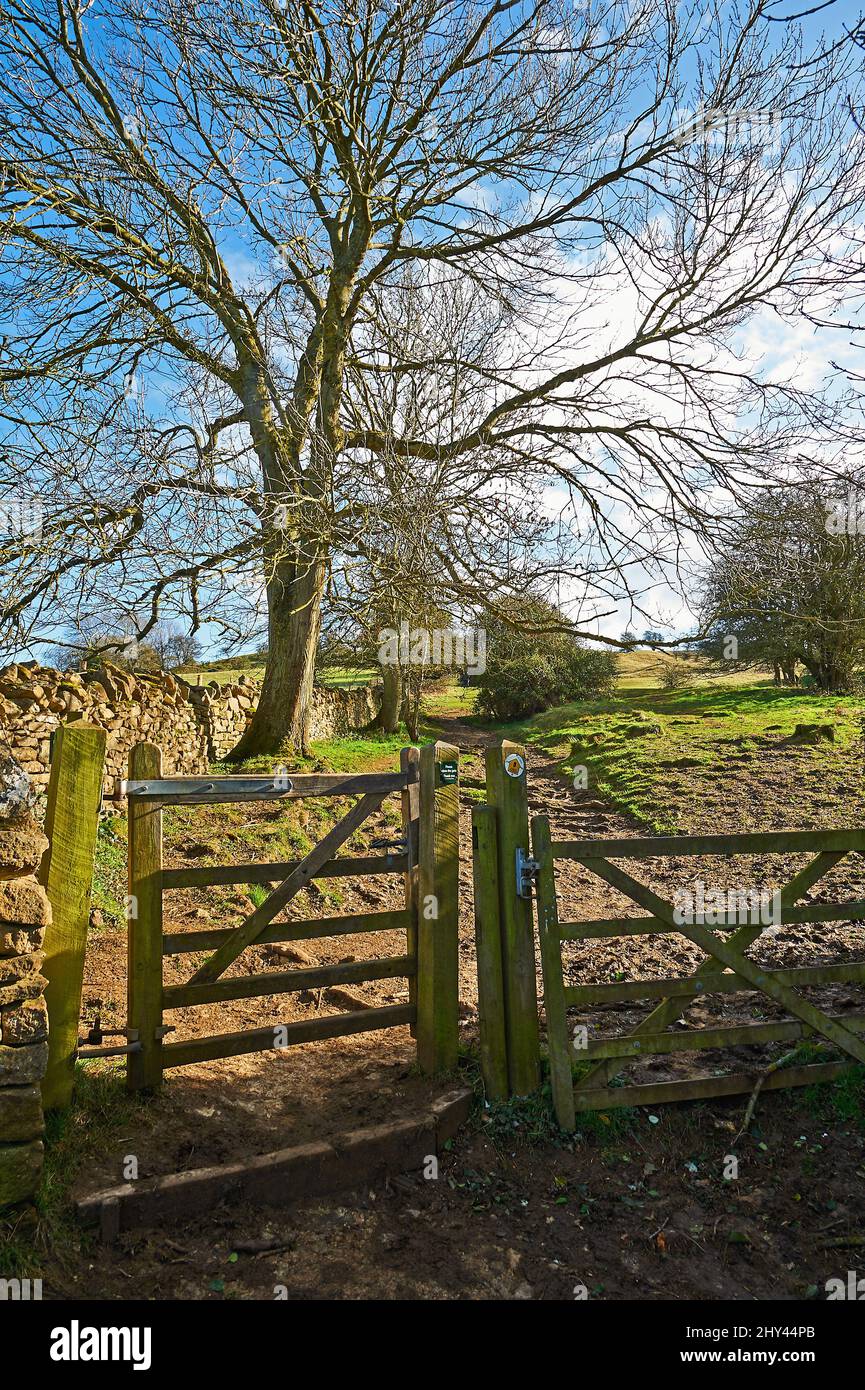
{"type": "Point", "coordinates": [296, 566]}
{"type": "Point", "coordinates": [280, 722]}
{"type": "Point", "coordinates": [829, 673]}
{"type": "Point", "coordinates": [391, 698]}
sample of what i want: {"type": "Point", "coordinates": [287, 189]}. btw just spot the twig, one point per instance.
{"type": "Point", "coordinates": [761, 1081]}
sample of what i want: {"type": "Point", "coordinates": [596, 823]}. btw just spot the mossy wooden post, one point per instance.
{"type": "Point", "coordinates": [409, 763]}
{"type": "Point", "coordinates": [506, 791]}
{"type": "Point", "coordinates": [438, 909]}
{"type": "Point", "coordinates": [561, 1076]}
{"type": "Point", "coordinates": [66, 873]}
{"type": "Point", "coordinates": [144, 975]}
{"type": "Point", "coordinates": [488, 941]}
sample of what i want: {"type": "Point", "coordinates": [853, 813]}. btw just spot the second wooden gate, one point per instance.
{"type": "Point", "coordinates": [726, 968]}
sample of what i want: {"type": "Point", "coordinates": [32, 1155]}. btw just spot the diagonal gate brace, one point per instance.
{"type": "Point", "coordinates": [252, 927]}
{"type": "Point", "coordinates": [672, 1009]}
{"type": "Point", "coordinates": [730, 956]}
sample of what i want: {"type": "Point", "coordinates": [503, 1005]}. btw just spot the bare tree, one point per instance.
{"type": "Point", "coordinates": [208, 211]}
{"type": "Point", "coordinates": [789, 587]}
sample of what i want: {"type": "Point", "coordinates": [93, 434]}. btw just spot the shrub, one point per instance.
{"type": "Point", "coordinates": [514, 687]}
{"type": "Point", "coordinates": [676, 675]}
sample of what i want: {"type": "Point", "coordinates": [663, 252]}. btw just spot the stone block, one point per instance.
{"type": "Point", "coordinates": [25, 1022]}
{"type": "Point", "coordinates": [20, 1171]}
{"type": "Point", "coordinates": [21, 1065]}
{"type": "Point", "coordinates": [22, 846]}
{"type": "Point", "coordinates": [20, 1113]}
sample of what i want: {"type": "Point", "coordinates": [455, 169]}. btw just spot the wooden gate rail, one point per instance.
{"type": "Point", "coordinates": [726, 969]}
{"type": "Point", "coordinates": [182, 942]}
{"type": "Point", "coordinates": [215, 874]}
{"type": "Point", "coordinates": [428, 786]}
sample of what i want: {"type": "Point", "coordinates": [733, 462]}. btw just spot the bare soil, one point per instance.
{"type": "Point", "coordinates": [636, 1206]}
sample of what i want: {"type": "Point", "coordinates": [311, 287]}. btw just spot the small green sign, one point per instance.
{"type": "Point", "coordinates": [448, 774]}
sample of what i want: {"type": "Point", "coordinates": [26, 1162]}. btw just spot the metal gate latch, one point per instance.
{"type": "Point", "coordinates": [527, 872]}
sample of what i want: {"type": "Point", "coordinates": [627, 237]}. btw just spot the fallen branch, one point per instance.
{"type": "Point", "coordinates": [761, 1081]}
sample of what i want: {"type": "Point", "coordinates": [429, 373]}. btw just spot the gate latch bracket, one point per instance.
{"type": "Point", "coordinates": [527, 872]}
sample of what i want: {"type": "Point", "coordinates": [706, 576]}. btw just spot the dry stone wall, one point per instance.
{"type": "Point", "coordinates": [24, 914]}
{"type": "Point", "coordinates": [194, 725]}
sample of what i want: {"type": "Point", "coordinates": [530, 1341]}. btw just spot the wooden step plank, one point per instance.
{"type": "Point", "coordinates": [182, 942]}
{"type": "Point", "coordinates": [288, 981]}
{"type": "Point", "coordinates": [183, 1054]}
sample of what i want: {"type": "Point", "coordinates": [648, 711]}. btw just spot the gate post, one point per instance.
{"type": "Point", "coordinates": [555, 1007]}
{"type": "Point", "coordinates": [66, 873]}
{"type": "Point", "coordinates": [409, 763]}
{"type": "Point", "coordinates": [438, 909]}
{"type": "Point", "coordinates": [488, 943]}
{"type": "Point", "coordinates": [144, 935]}
{"type": "Point", "coordinates": [506, 791]}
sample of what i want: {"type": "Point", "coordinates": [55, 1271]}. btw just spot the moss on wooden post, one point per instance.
{"type": "Point", "coordinates": [71, 824]}
{"type": "Point", "coordinates": [488, 942]}
{"type": "Point", "coordinates": [561, 1077]}
{"type": "Point", "coordinates": [409, 763]}
{"type": "Point", "coordinates": [438, 909]}
{"type": "Point", "coordinates": [144, 982]}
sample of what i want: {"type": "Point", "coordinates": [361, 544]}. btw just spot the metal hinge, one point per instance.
{"type": "Point", "coordinates": [527, 872]}
{"type": "Point", "coordinates": [392, 846]}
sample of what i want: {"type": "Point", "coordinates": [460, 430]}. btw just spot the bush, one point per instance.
{"type": "Point", "coordinates": [515, 687]}
{"type": "Point", "coordinates": [676, 675]}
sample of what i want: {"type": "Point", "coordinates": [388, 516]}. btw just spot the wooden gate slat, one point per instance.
{"type": "Point", "coordinates": [210, 1049]}
{"type": "Point", "coordinates": [707, 1087]}
{"type": "Point", "coordinates": [698, 1039]}
{"type": "Point", "coordinates": [670, 1010]}
{"type": "Point", "coordinates": [289, 981]}
{"type": "Point", "coordinates": [183, 942]}
{"type": "Point", "coordinates": [680, 846]}
{"type": "Point", "coordinates": [255, 923]}
{"type": "Point", "coordinates": [209, 875]}
{"type": "Point", "coordinates": [697, 987]}
{"type": "Point", "coordinates": [732, 958]}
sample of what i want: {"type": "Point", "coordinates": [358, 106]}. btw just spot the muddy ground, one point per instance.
{"type": "Point", "coordinates": [636, 1206]}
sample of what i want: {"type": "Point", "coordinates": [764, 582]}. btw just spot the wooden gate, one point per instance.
{"type": "Point", "coordinates": [725, 969]}
{"type": "Point", "coordinates": [427, 858]}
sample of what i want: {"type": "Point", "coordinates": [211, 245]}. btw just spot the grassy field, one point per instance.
{"type": "Point", "coordinates": [676, 759]}
{"type": "Point", "coordinates": [229, 669]}
{"type": "Point", "coordinates": [643, 671]}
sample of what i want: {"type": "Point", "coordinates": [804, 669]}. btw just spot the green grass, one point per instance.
{"type": "Point", "coordinates": [635, 746]}
{"type": "Point", "coordinates": [109, 873]}
{"type": "Point", "coordinates": [228, 670]}
{"type": "Point", "coordinates": [841, 1103]}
